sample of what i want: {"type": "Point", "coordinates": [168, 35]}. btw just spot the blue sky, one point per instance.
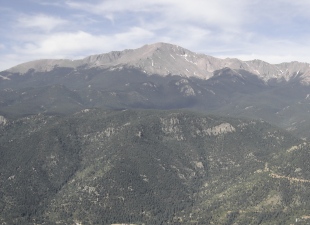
{"type": "Point", "coordinates": [272, 30]}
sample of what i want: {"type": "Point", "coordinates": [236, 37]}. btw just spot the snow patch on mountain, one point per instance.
{"type": "Point", "coordinates": [4, 78]}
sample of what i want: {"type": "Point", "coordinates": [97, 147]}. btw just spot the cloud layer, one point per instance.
{"type": "Point", "coordinates": [274, 31]}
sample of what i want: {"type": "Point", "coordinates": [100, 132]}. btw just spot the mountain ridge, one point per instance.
{"type": "Point", "coordinates": [168, 59]}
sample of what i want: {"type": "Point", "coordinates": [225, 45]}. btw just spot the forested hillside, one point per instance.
{"type": "Point", "coordinates": [153, 167]}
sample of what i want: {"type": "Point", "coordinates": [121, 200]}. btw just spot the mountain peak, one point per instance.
{"type": "Point", "coordinates": [159, 45]}
{"type": "Point", "coordinates": [167, 59]}
{"type": "Point", "coordinates": [164, 47]}
{"type": "Point", "coordinates": [158, 58]}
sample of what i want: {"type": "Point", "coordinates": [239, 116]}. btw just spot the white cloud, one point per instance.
{"type": "Point", "coordinates": [40, 21]}
{"type": "Point", "coordinates": [82, 43]}
{"type": "Point", "coordinates": [58, 3]}
{"type": "Point", "coordinates": [269, 50]}
{"type": "Point", "coordinates": [216, 13]}
{"type": "Point", "coordinates": [72, 46]}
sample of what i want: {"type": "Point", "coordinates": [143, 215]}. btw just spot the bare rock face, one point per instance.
{"type": "Point", "coordinates": [221, 129]}
{"type": "Point", "coordinates": [167, 59]}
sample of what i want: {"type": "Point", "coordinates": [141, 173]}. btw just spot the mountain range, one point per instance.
{"type": "Point", "coordinates": [155, 135]}
{"type": "Point", "coordinates": [161, 76]}
{"type": "Point", "coordinates": [166, 59]}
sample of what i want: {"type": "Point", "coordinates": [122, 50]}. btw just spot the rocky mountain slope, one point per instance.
{"type": "Point", "coordinates": [167, 59]}
{"type": "Point", "coordinates": [151, 167]}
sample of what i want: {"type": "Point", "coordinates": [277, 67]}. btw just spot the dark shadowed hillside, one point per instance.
{"type": "Point", "coordinates": [228, 92]}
